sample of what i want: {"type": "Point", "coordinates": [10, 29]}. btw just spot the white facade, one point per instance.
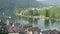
{"type": "Point", "coordinates": [13, 33]}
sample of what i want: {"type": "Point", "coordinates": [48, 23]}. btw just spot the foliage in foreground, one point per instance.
{"type": "Point", "coordinates": [2, 31]}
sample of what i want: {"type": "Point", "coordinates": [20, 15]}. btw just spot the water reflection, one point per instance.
{"type": "Point", "coordinates": [36, 21]}
{"type": "Point", "coordinates": [53, 21]}
{"type": "Point", "coordinates": [46, 22]}
{"type": "Point", "coordinates": [33, 20]}
{"type": "Point", "coordinates": [30, 20]}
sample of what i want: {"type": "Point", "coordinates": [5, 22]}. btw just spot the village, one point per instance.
{"type": "Point", "coordinates": [17, 28]}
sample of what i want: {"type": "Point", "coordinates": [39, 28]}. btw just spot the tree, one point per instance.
{"type": "Point", "coordinates": [18, 11]}
{"type": "Point", "coordinates": [35, 13]}
{"type": "Point", "coordinates": [47, 13]}
{"type": "Point", "coordinates": [31, 12]}
{"type": "Point", "coordinates": [2, 31]}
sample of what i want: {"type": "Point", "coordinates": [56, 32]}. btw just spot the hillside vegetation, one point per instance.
{"type": "Point", "coordinates": [52, 12]}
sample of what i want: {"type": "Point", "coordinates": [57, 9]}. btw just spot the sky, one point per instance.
{"type": "Point", "coordinates": [40, 0]}
{"type": "Point", "coordinates": [51, 2]}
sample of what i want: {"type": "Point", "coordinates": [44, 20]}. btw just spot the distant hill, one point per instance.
{"type": "Point", "coordinates": [27, 3]}
{"type": "Point", "coordinates": [9, 5]}
{"type": "Point", "coordinates": [20, 4]}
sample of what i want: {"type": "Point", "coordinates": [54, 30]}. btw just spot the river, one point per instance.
{"type": "Point", "coordinates": [35, 22]}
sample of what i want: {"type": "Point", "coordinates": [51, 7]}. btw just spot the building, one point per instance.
{"type": "Point", "coordinates": [34, 30]}
{"type": "Point", "coordinates": [13, 33]}
{"type": "Point", "coordinates": [51, 32]}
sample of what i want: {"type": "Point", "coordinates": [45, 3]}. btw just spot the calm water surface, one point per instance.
{"type": "Point", "coordinates": [36, 22]}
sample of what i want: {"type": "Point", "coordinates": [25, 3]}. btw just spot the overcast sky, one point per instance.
{"type": "Point", "coordinates": [51, 2]}
{"type": "Point", "coordinates": [40, 0]}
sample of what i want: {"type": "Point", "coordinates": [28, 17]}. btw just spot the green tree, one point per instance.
{"type": "Point", "coordinates": [18, 11]}
{"type": "Point", "coordinates": [31, 12]}
{"type": "Point", "coordinates": [3, 31]}
{"type": "Point", "coordinates": [47, 13]}
{"type": "Point", "coordinates": [35, 13]}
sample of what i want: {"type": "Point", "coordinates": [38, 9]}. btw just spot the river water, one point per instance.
{"type": "Point", "coordinates": [35, 22]}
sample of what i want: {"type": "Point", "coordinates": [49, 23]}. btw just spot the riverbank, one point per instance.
{"type": "Point", "coordinates": [37, 17]}
{"type": "Point", "coordinates": [35, 30]}
{"type": "Point", "coordinates": [31, 16]}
